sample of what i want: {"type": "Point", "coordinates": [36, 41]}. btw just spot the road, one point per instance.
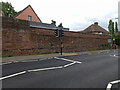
{"type": "Point", "coordinates": [92, 70]}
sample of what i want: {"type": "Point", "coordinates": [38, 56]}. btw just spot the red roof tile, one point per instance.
{"type": "Point", "coordinates": [94, 28]}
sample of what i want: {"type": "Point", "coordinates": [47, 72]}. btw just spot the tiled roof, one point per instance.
{"type": "Point", "coordinates": [94, 28]}
{"type": "Point", "coordinates": [45, 26]}
{"type": "Point", "coordinates": [42, 25]}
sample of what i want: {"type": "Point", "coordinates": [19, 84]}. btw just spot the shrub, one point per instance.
{"type": "Point", "coordinates": [117, 40]}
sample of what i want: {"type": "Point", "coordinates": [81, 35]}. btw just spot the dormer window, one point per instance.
{"type": "Point", "coordinates": [29, 18]}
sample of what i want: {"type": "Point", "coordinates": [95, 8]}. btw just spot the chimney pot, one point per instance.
{"type": "Point", "coordinates": [96, 23]}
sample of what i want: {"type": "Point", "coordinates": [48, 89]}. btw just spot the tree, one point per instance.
{"type": "Point", "coordinates": [60, 25]}
{"type": "Point", "coordinates": [116, 28]}
{"type": "Point", "coordinates": [111, 28]}
{"type": "Point", "coordinates": [117, 40]}
{"type": "Point", "coordinates": [7, 9]}
{"type": "Point", "coordinates": [53, 22]}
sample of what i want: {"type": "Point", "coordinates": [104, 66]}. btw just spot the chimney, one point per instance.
{"type": "Point", "coordinates": [96, 23]}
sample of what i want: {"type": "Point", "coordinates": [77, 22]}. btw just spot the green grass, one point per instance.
{"type": "Point", "coordinates": [6, 56]}
{"type": "Point", "coordinates": [56, 52]}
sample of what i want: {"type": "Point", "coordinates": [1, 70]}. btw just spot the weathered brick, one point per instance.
{"type": "Point", "coordinates": [23, 40]}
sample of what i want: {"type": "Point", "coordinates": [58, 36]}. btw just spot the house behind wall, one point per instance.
{"type": "Point", "coordinates": [21, 39]}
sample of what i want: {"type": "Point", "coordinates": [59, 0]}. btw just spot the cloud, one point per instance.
{"type": "Point", "coordinates": [74, 14]}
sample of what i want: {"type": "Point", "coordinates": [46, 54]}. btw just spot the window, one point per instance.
{"type": "Point", "coordinates": [29, 18]}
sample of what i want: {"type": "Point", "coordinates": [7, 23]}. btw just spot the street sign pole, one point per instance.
{"type": "Point", "coordinates": [61, 47]}
{"type": "Point", "coordinates": [60, 33]}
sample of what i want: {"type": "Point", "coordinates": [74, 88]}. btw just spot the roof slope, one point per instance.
{"type": "Point", "coordinates": [45, 26]}
{"type": "Point", "coordinates": [94, 28]}
{"type": "Point", "coordinates": [29, 6]}
{"type": "Point", "coordinates": [42, 25]}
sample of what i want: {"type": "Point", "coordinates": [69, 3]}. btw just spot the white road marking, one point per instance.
{"type": "Point", "coordinates": [77, 62]}
{"type": "Point", "coordinates": [6, 63]}
{"type": "Point", "coordinates": [35, 60]}
{"type": "Point", "coordinates": [44, 69]}
{"type": "Point", "coordinates": [64, 59]}
{"type": "Point", "coordinates": [16, 61]}
{"type": "Point", "coordinates": [16, 74]}
{"type": "Point", "coordinates": [25, 61]}
{"type": "Point", "coordinates": [114, 82]}
{"type": "Point", "coordinates": [114, 55]}
{"type": "Point", "coordinates": [29, 61]}
{"type": "Point", "coordinates": [69, 64]}
{"type": "Point", "coordinates": [109, 86]}
{"type": "Point", "coordinates": [68, 60]}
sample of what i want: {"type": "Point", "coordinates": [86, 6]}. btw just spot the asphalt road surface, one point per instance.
{"type": "Point", "coordinates": [92, 70]}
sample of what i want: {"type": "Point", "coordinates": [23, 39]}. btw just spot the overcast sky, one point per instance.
{"type": "Point", "coordinates": [74, 14]}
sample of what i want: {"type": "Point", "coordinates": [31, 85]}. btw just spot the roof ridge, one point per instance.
{"type": "Point", "coordinates": [26, 8]}
{"type": "Point", "coordinates": [94, 27]}
{"type": "Point", "coordinates": [21, 10]}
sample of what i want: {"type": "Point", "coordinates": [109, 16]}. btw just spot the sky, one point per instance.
{"type": "Point", "coordinates": [74, 14]}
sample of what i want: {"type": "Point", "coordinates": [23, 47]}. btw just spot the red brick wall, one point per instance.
{"type": "Point", "coordinates": [26, 12]}
{"type": "Point", "coordinates": [23, 41]}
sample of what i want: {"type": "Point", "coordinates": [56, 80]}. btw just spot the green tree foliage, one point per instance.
{"type": "Point", "coordinates": [110, 27]}
{"type": "Point", "coordinates": [7, 9]}
{"type": "Point", "coordinates": [60, 25]}
{"type": "Point", "coordinates": [116, 27]}
{"type": "Point", "coordinates": [117, 40]}
{"type": "Point", "coordinates": [113, 30]}
{"type": "Point", "coordinates": [53, 22]}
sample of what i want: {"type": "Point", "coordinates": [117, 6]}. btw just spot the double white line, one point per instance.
{"type": "Point", "coordinates": [43, 69]}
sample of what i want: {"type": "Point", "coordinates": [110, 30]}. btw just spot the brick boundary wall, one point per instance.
{"type": "Point", "coordinates": [20, 39]}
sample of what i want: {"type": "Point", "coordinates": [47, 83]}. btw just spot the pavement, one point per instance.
{"type": "Point", "coordinates": [43, 56]}
{"type": "Point", "coordinates": [89, 70]}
